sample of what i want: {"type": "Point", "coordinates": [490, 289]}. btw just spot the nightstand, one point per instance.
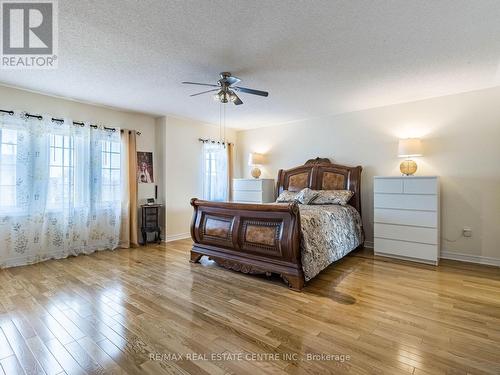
{"type": "Point", "coordinates": [406, 218]}
{"type": "Point", "coordinates": [150, 222]}
{"type": "Point", "coordinates": [253, 190]}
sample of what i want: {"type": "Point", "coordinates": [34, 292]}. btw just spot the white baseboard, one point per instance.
{"type": "Point", "coordinates": [369, 244]}
{"type": "Point", "coordinates": [416, 260]}
{"type": "Point", "coordinates": [175, 237]}
{"type": "Point", "coordinates": [470, 258]}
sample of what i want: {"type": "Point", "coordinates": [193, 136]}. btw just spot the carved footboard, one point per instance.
{"type": "Point", "coordinates": [251, 238]}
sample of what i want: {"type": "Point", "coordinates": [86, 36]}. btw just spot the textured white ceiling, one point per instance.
{"type": "Point", "coordinates": [314, 57]}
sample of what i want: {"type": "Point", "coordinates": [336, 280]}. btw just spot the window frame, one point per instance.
{"type": "Point", "coordinates": [71, 166]}
{"type": "Point", "coordinates": [210, 157]}
{"type": "Point", "coordinates": [107, 152]}
{"type": "Point", "coordinates": [67, 156]}
{"type": "Point", "coordinates": [14, 166]}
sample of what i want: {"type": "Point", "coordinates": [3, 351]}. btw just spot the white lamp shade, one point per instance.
{"type": "Point", "coordinates": [409, 147]}
{"type": "Point", "coordinates": [255, 159]}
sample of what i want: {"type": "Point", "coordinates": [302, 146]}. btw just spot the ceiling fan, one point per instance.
{"type": "Point", "coordinates": [226, 89]}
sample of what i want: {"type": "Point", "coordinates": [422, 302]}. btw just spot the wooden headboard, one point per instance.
{"type": "Point", "coordinates": [321, 174]}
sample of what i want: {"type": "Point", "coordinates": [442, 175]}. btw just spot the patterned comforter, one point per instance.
{"type": "Point", "coordinates": [329, 232]}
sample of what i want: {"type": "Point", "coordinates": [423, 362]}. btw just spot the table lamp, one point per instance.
{"type": "Point", "coordinates": [407, 149]}
{"type": "Point", "coordinates": [254, 160]}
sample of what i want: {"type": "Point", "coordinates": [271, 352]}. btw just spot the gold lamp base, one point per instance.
{"type": "Point", "coordinates": [408, 167]}
{"type": "Point", "coordinates": [256, 172]}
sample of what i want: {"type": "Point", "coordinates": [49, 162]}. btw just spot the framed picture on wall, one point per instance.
{"type": "Point", "coordinates": [145, 167]}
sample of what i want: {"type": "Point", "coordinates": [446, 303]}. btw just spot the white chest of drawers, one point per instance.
{"type": "Point", "coordinates": [253, 190]}
{"type": "Point", "coordinates": [406, 218]}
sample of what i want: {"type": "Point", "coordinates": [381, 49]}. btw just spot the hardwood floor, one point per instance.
{"type": "Point", "coordinates": [149, 311]}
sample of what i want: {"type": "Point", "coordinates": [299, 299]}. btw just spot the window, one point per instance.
{"type": "Point", "coordinates": [8, 173]}
{"type": "Point", "coordinates": [211, 173]}
{"type": "Point", "coordinates": [65, 185]}
{"type": "Point", "coordinates": [64, 175]}
{"type": "Point", "coordinates": [215, 172]}
{"type": "Point", "coordinates": [110, 171]}
{"type": "Point", "coordinates": [61, 190]}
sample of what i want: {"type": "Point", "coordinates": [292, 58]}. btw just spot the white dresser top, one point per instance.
{"type": "Point", "coordinates": [255, 179]}
{"type": "Point", "coordinates": [406, 177]}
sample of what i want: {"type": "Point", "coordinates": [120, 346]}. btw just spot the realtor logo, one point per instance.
{"type": "Point", "coordinates": [29, 34]}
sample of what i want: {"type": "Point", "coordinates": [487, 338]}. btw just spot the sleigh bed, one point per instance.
{"type": "Point", "coordinates": [269, 238]}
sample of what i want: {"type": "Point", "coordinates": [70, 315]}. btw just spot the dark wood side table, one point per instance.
{"type": "Point", "coordinates": [150, 222]}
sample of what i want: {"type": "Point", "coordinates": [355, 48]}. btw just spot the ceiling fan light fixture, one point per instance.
{"type": "Point", "coordinates": [227, 90]}
{"type": "Point", "coordinates": [224, 98]}
{"type": "Point", "coordinates": [220, 96]}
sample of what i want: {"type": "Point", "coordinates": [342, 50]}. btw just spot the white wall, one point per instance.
{"type": "Point", "coordinates": [460, 135]}
{"type": "Point", "coordinates": [20, 100]}
{"type": "Point", "coordinates": [180, 158]}
{"type": "Point", "coordinates": [173, 141]}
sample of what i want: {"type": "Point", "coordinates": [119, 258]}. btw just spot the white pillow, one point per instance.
{"type": "Point", "coordinates": [340, 197]}
{"type": "Point", "coordinates": [306, 196]}
{"type": "Point", "coordinates": [287, 196]}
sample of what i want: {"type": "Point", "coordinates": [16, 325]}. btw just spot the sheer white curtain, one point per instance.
{"type": "Point", "coordinates": [215, 172]}
{"type": "Point", "coordinates": [60, 189]}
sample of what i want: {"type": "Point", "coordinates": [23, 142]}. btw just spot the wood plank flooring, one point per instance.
{"type": "Point", "coordinates": [149, 311]}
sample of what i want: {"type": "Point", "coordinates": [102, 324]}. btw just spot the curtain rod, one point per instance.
{"type": "Point", "coordinates": [206, 140]}
{"type": "Point", "coordinates": [76, 123]}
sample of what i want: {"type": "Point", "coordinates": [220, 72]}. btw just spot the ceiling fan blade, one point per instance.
{"type": "Point", "coordinates": [226, 79]}
{"type": "Point", "coordinates": [232, 80]}
{"type": "Point", "coordinates": [237, 101]}
{"type": "Point", "coordinates": [251, 91]}
{"type": "Point", "coordinates": [204, 92]}
{"type": "Point", "coordinates": [200, 84]}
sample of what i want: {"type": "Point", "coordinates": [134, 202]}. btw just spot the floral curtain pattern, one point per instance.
{"type": "Point", "coordinates": [60, 189]}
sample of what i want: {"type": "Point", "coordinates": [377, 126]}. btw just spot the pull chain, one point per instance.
{"type": "Point", "coordinates": [220, 120]}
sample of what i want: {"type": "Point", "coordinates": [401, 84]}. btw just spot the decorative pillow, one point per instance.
{"type": "Point", "coordinates": [340, 197]}
{"type": "Point", "coordinates": [287, 196]}
{"type": "Point", "coordinates": [306, 195]}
